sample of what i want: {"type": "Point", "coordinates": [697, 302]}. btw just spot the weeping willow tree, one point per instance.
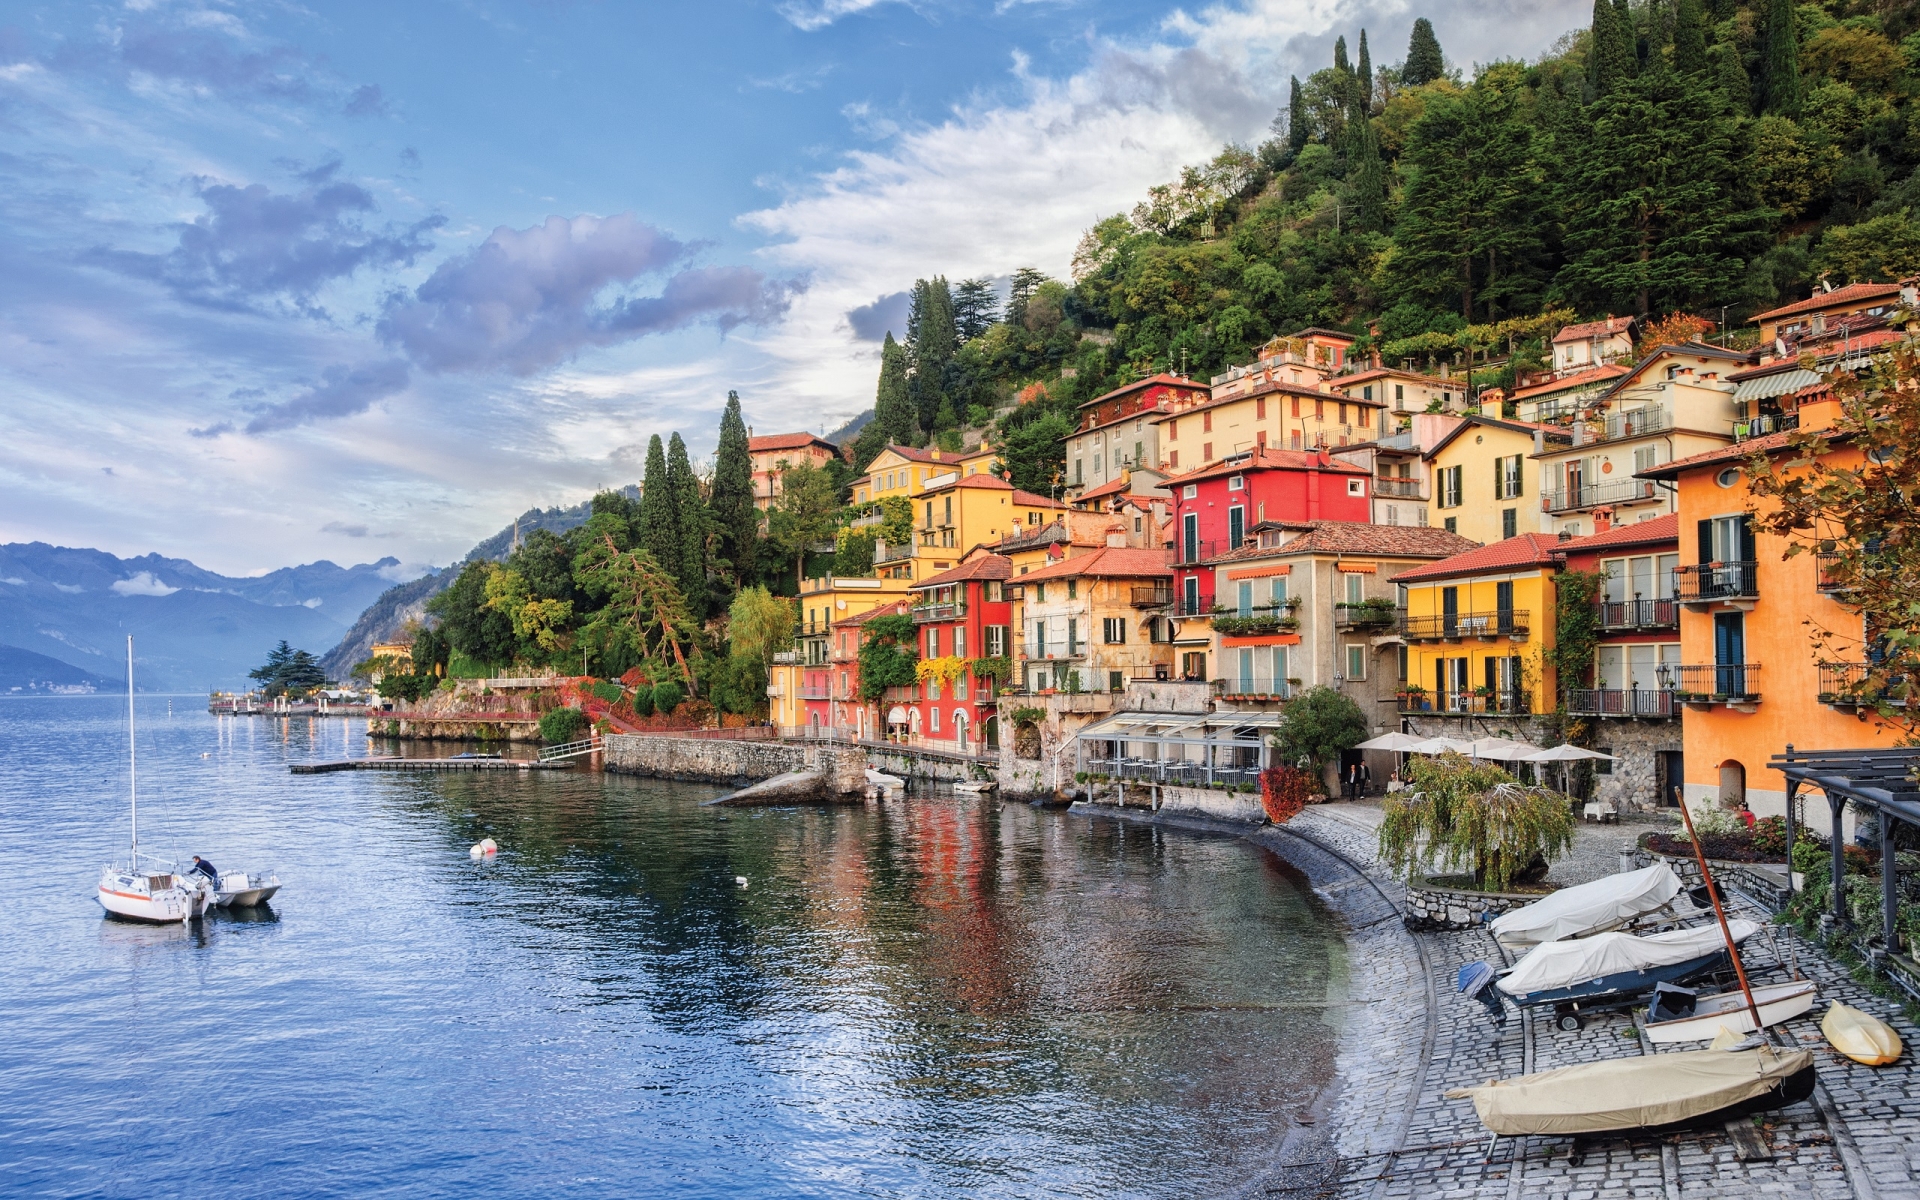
{"type": "Point", "coordinates": [1470, 816]}
{"type": "Point", "coordinates": [644, 620]}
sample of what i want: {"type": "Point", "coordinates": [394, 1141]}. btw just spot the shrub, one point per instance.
{"type": "Point", "coordinates": [1462, 814]}
{"type": "Point", "coordinates": [562, 725]}
{"type": "Point", "coordinates": [667, 696]}
{"type": "Point", "coordinates": [1284, 791]}
{"type": "Point", "coordinates": [643, 700]}
{"type": "Point", "coordinates": [1770, 835]}
{"type": "Point", "coordinates": [608, 692]}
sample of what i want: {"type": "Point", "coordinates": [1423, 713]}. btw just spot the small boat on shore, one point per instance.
{"type": "Point", "coordinates": [972, 788]}
{"type": "Point", "coordinates": [1607, 970]}
{"type": "Point", "coordinates": [1679, 1016]}
{"type": "Point", "coordinates": [1861, 1036]}
{"type": "Point", "coordinates": [1603, 905]}
{"type": "Point", "coordinates": [1650, 1093]}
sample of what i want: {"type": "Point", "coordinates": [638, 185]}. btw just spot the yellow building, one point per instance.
{"type": "Point", "coordinates": [1477, 628]}
{"type": "Point", "coordinates": [956, 514]}
{"type": "Point", "coordinates": [802, 673]}
{"type": "Point", "coordinates": [906, 471]}
{"type": "Point", "coordinates": [1478, 477]}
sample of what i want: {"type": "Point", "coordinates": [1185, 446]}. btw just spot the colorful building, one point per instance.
{"type": "Point", "coordinates": [1403, 393]}
{"type": "Point", "coordinates": [1477, 627]}
{"type": "Point", "coordinates": [956, 513]}
{"type": "Point", "coordinates": [906, 471]}
{"type": "Point", "coordinates": [963, 623]}
{"type": "Point", "coordinates": [779, 452]}
{"type": "Point", "coordinates": [1578, 348]}
{"type": "Point", "coordinates": [1114, 435]}
{"type": "Point", "coordinates": [1478, 477]}
{"type": "Point", "coordinates": [1821, 315]}
{"type": "Point", "coordinates": [1086, 622]}
{"type": "Point", "coordinates": [803, 688]}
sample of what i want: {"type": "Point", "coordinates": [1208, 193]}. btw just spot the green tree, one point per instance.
{"type": "Point", "coordinates": [1319, 725]}
{"type": "Point", "coordinates": [807, 514]}
{"type": "Point", "coordinates": [893, 412]}
{"type": "Point", "coordinates": [1424, 62]}
{"type": "Point", "coordinates": [734, 516]}
{"type": "Point", "coordinates": [1458, 814]}
{"type": "Point", "coordinates": [1885, 247]}
{"type": "Point", "coordinates": [974, 308]}
{"type": "Point", "coordinates": [642, 620]}
{"type": "Point", "coordinates": [690, 514]}
{"type": "Point", "coordinates": [1689, 38]}
{"type": "Point", "coordinates": [887, 655]}
{"type": "Point", "coordinates": [1609, 49]}
{"type": "Point", "coordinates": [1035, 452]}
{"type": "Point", "coordinates": [1363, 75]}
{"type": "Point", "coordinates": [1297, 128]}
{"type": "Point", "coordinates": [277, 659]}
{"type": "Point", "coordinates": [659, 527]}
{"type": "Point", "coordinates": [1730, 76]}
{"type": "Point", "coordinates": [1782, 69]}
{"type": "Point", "coordinates": [481, 634]}
{"type": "Point", "coordinates": [931, 342]}
{"type": "Point", "coordinates": [759, 624]}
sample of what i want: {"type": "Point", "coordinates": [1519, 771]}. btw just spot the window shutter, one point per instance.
{"type": "Point", "coordinates": [1500, 479]}
{"type": "Point", "coordinates": [1493, 674]}
{"type": "Point", "coordinates": [1706, 541]}
{"type": "Point", "coordinates": [1746, 539]}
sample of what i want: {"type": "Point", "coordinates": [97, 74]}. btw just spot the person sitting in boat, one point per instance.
{"type": "Point", "coordinates": [203, 867]}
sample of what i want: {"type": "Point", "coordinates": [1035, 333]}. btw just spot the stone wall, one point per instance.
{"type": "Point", "coordinates": [1764, 882]}
{"type": "Point", "coordinates": [1632, 786]}
{"type": "Point", "coordinates": [455, 730]}
{"type": "Point", "coordinates": [1214, 804]}
{"type": "Point", "coordinates": [715, 760]}
{"type": "Point", "coordinates": [1431, 906]}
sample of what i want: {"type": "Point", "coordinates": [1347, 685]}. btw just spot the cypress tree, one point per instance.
{"type": "Point", "coordinates": [1369, 176]}
{"type": "Point", "coordinates": [659, 530]}
{"type": "Point", "coordinates": [738, 521]}
{"type": "Point", "coordinates": [1365, 71]}
{"type": "Point", "coordinates": [892, 406]}
{"type": "Point", "coordinates": [1340, 62]}
{"type": "Point", "coordinates": [1783, 60]}
{"type": "Point", "coordinates": [1730, 76]}
{"type": "Point", "coordinates": [1296, 117]}
{"type": "Point", "coordinates": [1689, 38]}
{"type": "Point", "coordinates": [1424, 62]}
{"type": "Point", "coordinates": [1610, 49]}
{"type": "Point", "coordinates": [690, 513]}
{"type": "Point", "coordinates": [931, 340]}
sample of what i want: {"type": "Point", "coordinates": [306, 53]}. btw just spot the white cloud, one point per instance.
{"type": "Point", "coordinates": [142, 584]}
{"type": "Point", "coordinates": [810, 17]}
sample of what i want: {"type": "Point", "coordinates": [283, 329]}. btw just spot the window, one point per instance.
{"type": "Point", "coordinates": [1173, 430]}
{"type": "Point", "coordinates": [1039, 593]}
{"type": "Point", "coordinates": [1076, 472]}
{"type": "Point", "coordinates": [1366, 393]}
{"type": "Point", "coordinates": [1277, 590]}
{"type": "Point", "coordinates": [1236, 526]}
{"type": "Point", "coordinates": [933, 641]}
{"type": "Point", "coordinates": [933, 719]}
{"type": "Point", "coordinates": [1728, 477]}
{"type": "Point", "coordinates": [1116, 681]}
{"type": "Point", "coordinates": [1206, 451]}
{"type": "Point", "coordinates": [1507, 474]}
{"type": "Point", "coordinates": [996, 641]}
{"type": "Point", "coordinates": [1260, 408]}
{"type": "Point", "coordinates": [1296, 406]}
{"type": "Point", "coordinates": [960, 686]}
{"type": "Point", "coordinates": [1243, 594]}
{"type": "Point", "coordinates": [960, 641]}
{"type": "Point", "coordinates": [1190, 537]}
{"type": "Point", "coordinates": [1343, 414]}
{"type": "Point", "coordinates": [1399, 391]}
{"type": "Point", "coordinates": [1280, 672]}
{"type": "Point", "coordinates": [1206, 422]}
{"type": "Point", "coordinates": [1402, 656]}
{"type": "Point", "coordinates": [1319, 410]}
{"type": "Point", "coordinates": [1236, 483]}
{"type": "Point", "coordinates": [1451, 524]}
{"type": "Point", "coordinates": [949, 511]}
{"type": "Point", "coordinates": [1354, 586]}
{"type": "Point", "coordinates": [1356, 662]}
{"type": "Point", "coordinates": [1096, 462]}
{"type": "Point", "coordinates": [1040, 638]}
{"type": "Point", "coordinates": [1355, 487]}
{"type": "Point", "coordinates": [1190, 491]}
{"type": "Point", "coordinates": [1190, 595]}
{"type": "Point", "coordinates": [1296, 439]}
{"type": "Point", "coordinates": [1073, 589]}
{"type": "Point", "coordinates": [1449, 480]}
{"type": "Point", "coordinates": [1073, 635]}
{"type": "Point", "coordinates": [1113, 631]}
{"type": "Point", "coordinates": [1173, 459]}
{"type": "Point", "coordinates": [929, 514]}
{"type": "Point", "coordinates": [996, 590]}
{"type": "Point", "coordinates": [1509, 522]}
{"type": "Point", "coordinates": [1137, 453]}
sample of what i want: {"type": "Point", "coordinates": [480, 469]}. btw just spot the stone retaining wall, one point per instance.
{"type": "Point", "coordinates": [1766, 883]}
{"type": "Point", "coordinates": [1433, 906]}
{"type": "Point", "coordinates": [457, 730]}
{"type": "Point", "coordinates": [1243, 807]}
{"type": "Point", "coordinates": [716, 760]}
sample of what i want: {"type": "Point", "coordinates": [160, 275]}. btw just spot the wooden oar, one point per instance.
{"type": "Point", "coordinates": [1713, 894]}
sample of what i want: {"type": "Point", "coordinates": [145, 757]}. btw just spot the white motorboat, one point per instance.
{"type": "Point", "coordinates": [156, 892]}
{"type": "Point", "coordinates": [243, 889]}
{"type": "Point", "coordinates": [1708, 1015]}
{"type": "Point", "coordinates": [975, 788]}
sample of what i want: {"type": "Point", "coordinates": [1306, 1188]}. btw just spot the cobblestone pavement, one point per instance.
{"type": "Point", "coordinates": [1859, 1138]}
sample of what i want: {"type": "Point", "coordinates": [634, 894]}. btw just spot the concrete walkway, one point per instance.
{"type": "Point", "coordinates": [1415, 1037]}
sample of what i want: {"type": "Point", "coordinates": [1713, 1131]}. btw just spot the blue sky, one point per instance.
{"type": "Point", "coordinates": [280, 283]}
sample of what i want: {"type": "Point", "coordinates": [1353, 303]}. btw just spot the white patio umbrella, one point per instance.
{"type": "Point", "coordinates": [1565, 754]}
{"type": "Point", "coordinates": [1440, 745]}
{"type": "Point", "coordinates": [1503, 749]}
{"type": "Point", "coordinates": [1398, 742]}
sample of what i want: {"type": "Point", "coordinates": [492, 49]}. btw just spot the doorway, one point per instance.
{"type": "Point", "coordinates": [1670, 772]}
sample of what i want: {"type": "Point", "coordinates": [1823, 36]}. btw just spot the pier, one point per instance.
{"type": "Point", "coordinates": [395, 763]}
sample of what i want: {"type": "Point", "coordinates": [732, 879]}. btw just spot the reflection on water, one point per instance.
{"type": "Point", "coordinates": [944, 997]}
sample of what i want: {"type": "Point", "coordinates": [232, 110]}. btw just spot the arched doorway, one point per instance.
{"type": "Point", "coordinates": [990, 729]}
{"type": "Point", "coordinates": [960, 727]}
{"type": "Point", "coordinates": [913, 723]}
{"type": "Point", "coordinates": [1733, 784]}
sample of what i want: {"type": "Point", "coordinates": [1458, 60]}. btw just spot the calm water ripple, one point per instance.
{"type": "Point", "coordinates": [940, 998]}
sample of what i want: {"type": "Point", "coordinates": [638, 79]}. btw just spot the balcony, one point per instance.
{"type": "Point", "coordinates": [1402, 440]}
{"type": "Point", "coordinates": [1465, 703]}
{"type": "Point", "coordinates": [1847, 685]}
{"type": "Point", "coordinates": [1187, 554]}
{"type": "Point", "coordinates": [1368, 614]}
{"type": "Point", "coordinates": [1825, 582]}
{"type": "Point", "coordinates": [1762, 425]}
{"type": "Point", "coordinates": [1152, 597]}
{"type": "Point", "coordinates": [1257, 621]}
{"type": "Point", "coordinates": [1646, 703]}
{"type": "Point", "coordinates": [1252, 687]}
{"type": "Point", "coordinates": [1712, 683]}
{"type": "Point", "coordinates": [1731, 583]}
{"type": "Point", "coordinates": [1624, 426]}
{"type": "Point", "coordinates": [1508, 623]}
{"type": "Point", "coordinates": [1193, 606]}
{"type": "Point", "coordinates": [951, 610]}
{"type": "Point", "coordinates": [1400, 489]}
{"type": "Point", "coordinates": [891, 552]}
{"type": "Point", "coordinates": [1638, 614]}
{"type": "Point", "coordinates": [816, 691]}
{"type": "Point", "coordinates": [1595, 495]}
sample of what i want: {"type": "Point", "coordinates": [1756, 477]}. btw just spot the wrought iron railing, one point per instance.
{"type": "Point", "coordinates": [1712, 681]}
{"type": "Point", "coordinates": [1760, 426]}
{"type": "Point", "coordinates": [1444, 627]}
{"type": "Point", "coordinates": [1194, 606]}
{"type": "Point", "coordinates": [1368, 614]}
{"type": "Point", "coordinates": [1636, 423]}
{"type": "Point", "coordinates": [1187, 553]}
{"type": "Point", "coordinates": [1402, 489]}
{"type": "Point", "coordinates": [1848, 685]}
{"type": "Point", "coordinates": [1591, 495]}
{"type": "Point", "coordinates": [1825, 582]}
{"type": "Point", "coordinates": [1476, 701]}
{"type": "Point", "coordinates": [1152, 597]}
{"type": "Point", "coordinates": [1178, 771]}
{"type": "Point", "coordinates": [1717, 581]}
{"type": "Point", "coordinates": [1620, 702]}
{"type": "Point", "coordinates": [1638, 614]}
{"type": "Point", "coordinates": [1266, 687]}
{"type": "Point", "coordinates": [951, 610]}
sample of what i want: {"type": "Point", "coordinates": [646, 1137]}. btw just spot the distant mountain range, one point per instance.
{"type": "Point", "coordinates": [192, 628]}
{"type": "Point", "coordinates": [25, 671]}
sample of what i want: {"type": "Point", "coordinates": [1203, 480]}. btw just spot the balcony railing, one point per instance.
{"type": "Point", "coordinates": [1825, 582]}
{"type": "Point", "coordinates": [1401, 440]}
{"type": "Point", "coordinates": [1710, 682]}
{"type": "Point", "coordinates": [1592, 495]}
{"type": "Point", "coordinates": [951, 610]}
{"type": "Point", "coordinates": [1638, 614]}
{"type": "Point", "coordinates": [1193, 606]}
{"type": "Point", "coordinates": [1182, 771]}
{"type": "Point", "coordinates": [1507, 623]}
{"type": "Point", "coordinates": [1257, 621]}
{"type": "Point", "coordinates": [1402, 489]}
{"type": "Point", "coordinates": [1152, 597]}
{"type": "Point", "coordinates": [1368, 614]}
{"type": "Point", "coordinates": [816, 691]}
{"type": "Point", "coordinates": [891, 552]}
{"type": "Point", "coordinates": [1845, 685]}
{"type": "Point", "coordinates": [1186, 553]}
{"type": "Point", "coordinates": [1620, 702]}
{"type": "Point", "coordinates": [1638, 423]}
{"type": "Point", "coordinates": [1760, 426]}
{"type": "Point", "coordinates": [1466, 702]}
{"type": "Point", "coordinates": [1255, 686]}
{"type": "Point", "coordinates": [1717, 581]}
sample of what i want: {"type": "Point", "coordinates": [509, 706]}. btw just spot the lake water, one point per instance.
{"type": "Point", "coordinates": [943, 997]}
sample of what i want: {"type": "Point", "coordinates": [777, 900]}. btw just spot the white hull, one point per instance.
{"type": "Point", "coordinates": [1728, 1010]}
{"type": "Point", "coordinates": [158, 898]}
{"type": "Point", "coordinates": [237, 889]}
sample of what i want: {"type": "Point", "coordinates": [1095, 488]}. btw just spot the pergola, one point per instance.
{"type": "Point", "coordinates": [1879, 781]}
{"type": "Point", "coordinates": [1178, 748]}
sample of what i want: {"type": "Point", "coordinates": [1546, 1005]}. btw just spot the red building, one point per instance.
{"type": "Point", "coordinates": [961, 616]}
{"type": "Point", "coordinates": [1639, 620]}
{"type": "Point", "coordinates": [1216, 507]}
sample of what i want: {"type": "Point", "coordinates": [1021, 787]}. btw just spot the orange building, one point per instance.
{"type": "Point", "coordinates": [1747, 676]}
{"type": "Point", "coordinates": [778, 452]}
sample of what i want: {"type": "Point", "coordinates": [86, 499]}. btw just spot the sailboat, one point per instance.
{"type": "Point", "coordinates": [154, 892]}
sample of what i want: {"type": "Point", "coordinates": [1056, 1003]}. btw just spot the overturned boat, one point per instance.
{"type": "Point", "coordinates": [1652, 1093]}
{"type": "Point", "coordinates": [1598, 907]}
{"type": "Point", "coordinates": [1678, 1015]}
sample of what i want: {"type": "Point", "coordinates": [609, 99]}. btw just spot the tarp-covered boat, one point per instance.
{"type": "Point", "coordinates": [1605, 904]}
{"type": "Point", "coordinates": [1649, 1092]}
{"type": "Point", "coordinates": [1609, 964]}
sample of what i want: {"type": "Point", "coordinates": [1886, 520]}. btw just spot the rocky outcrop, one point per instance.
{"type": "Point", "coordinates": [794, 787]}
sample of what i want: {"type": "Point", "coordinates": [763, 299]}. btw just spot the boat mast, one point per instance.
{"type": "Point", "coordinates": [133, 791]}
{"type": "Point", "coordinates": [1713, 894]}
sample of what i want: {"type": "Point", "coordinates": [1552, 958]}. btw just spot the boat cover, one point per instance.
{"type": "Point", "coordinates": [1553, 965]}
{"type": "Point", "coordinates": [1630, 1093]}
{"type": "Point", "coordinates": [1589, 908]}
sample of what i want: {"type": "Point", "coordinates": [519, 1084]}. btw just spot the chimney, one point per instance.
{"type": "Point", "coordinates": [1602, 520]}
{"type": "Point", "coordinates": [1539, 441]}
{"type": "Point", "coordinates": [1117, 535]}
{"type": "Point", "coordinates": [1566, 535]}
{"type": "Point", "coordinates": [936, 454]}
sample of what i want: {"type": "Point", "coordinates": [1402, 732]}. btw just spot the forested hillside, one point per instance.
{"type": "Point", "coordinates": [1678, 155]}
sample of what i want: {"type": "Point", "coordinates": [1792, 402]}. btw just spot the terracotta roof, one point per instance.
{"type": "Point", "coordinates": [1738, 451]}
{"type": "Point", "coordinates": [1358, 537]}
{"type": "Point", "coordinates": [1527, 550]}
{"type": "Point", "coordinates": [1268, 458]}
{"type": "Point", "coordinates": [1851, 294]}
{"type": "Point", "coordinates": [1470, 420]}
{"type": "Point", "coordinates": [1111, 562]}
{"type": "Point", "coordinates": [1029, 500]}
{"type": "Point", "coordinates": [788, 441]}
{"type": "Point", "coordinates": [1768, 368]}
{"type": "Point", "coordinates": [946, 459]}
{"type": "Point", "coordinates": [1120, 485]}
{"type": "Point", "coordinates": [1316, 331]}
{"type": "Point", "coordinates": [1594, 329]}
{"type": "Point", "coordinates": [987, 566]}
{"type": "Point", "coordinates": [1368, 376]}
{"type": "Point", "coordinates": [1567, 382]}
{"type": "Point", "coordinates": [1149, 381]}
{"type": "Point", "coordinates": [1660, 529]}
{"type": "Point", "coordinates": [892, 608]}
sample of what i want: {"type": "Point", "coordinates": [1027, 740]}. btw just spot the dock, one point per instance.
{"type": "Point", "coordinates": [394, 763]}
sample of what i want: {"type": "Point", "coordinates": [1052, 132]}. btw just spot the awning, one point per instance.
{"type": "Point", "coordinates": [1781, 383]}
{"type": "Point", "coordinates": [1246, 728]}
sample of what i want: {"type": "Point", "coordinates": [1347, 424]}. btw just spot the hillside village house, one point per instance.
{"type": "Point", "coordinates": [1083, 622]}
{"type": "Point", "coordinates": [779, 452]}
{"type": "Point", "coordinates": [963, 623]}
{"type": "Point", "coordinates": [1402, 486]}
{"type": "Point", "coordinates": [1114, 434]}
{"type": "Point", "coordinates": [955, 513]}
{"type": "Point", "coordinates": [1280, 415]}
{"type": "Point", "coordinates": [1674, 402]}
{"type": "Point", "coordinates": [1479, 474]}
{"type": "Point", "coordinates": [1827, 314]}
{"type": "Point", "coordinates": [1592, 344]}
{"type": "Point", "coordinates": [1558, 396]}
{"type": "Point", "coordinates": [1401, 393]}
{"type": "Point", "coordinates": [906, 471]}
{"type": "Point", "coordinates": [1477, 628]}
